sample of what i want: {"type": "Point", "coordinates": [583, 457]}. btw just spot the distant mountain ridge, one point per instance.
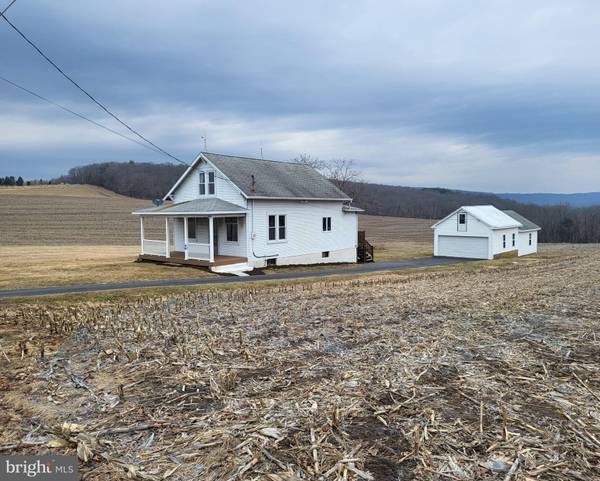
{"type": "Point", "coordinates": [583, 199]}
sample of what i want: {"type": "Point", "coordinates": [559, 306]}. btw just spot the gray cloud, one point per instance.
{"type": "Point", "coordinates": [428, 93]}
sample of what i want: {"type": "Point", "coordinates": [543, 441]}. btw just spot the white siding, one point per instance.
{"type": "Point", "coordinates": [226, 248]}
{"type": "Point", "coordinates": [524, 247]}
{"type": "Point", "coordinates": [305, 240]}
{"type": "Point", "coordinates": [449, 227]}
{"type": "Point", "coordinates": [497, 241]}
{"type": "Point", "coordinates": [189, 189]}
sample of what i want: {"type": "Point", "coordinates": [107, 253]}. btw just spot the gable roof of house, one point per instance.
{"type": "Point", "coordinates": [488, 214]}
{"type": "Point", "coordinates": [272, 179]}
{"type": "Point", "coordinates": [527, 224]}
{"type": "Point", "coordinates": [211, 205]}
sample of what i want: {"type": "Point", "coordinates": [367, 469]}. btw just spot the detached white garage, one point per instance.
{"type": "Point", "coordinates": [484, 232]}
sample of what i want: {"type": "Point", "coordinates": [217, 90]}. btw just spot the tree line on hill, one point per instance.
{"type": "Point", "coordinates": [143, 180]}
{"type": "Point", "coordinates": [560, 223]}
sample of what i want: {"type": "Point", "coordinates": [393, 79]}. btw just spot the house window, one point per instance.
{"type": "Point", "coordinates": [326, 224]}
{"type": "Point", "coordinates": [514, 240]}
{"type": "Point", "coordinates": [530, 238]}
{"type": "Point", "coordinates": [325, 254]}
{"type": "Point", "coordinates": [504, 241]}
{"type": "Point", "coordinates": [202, 190]}
{"type": "Point", "coordinates": [203, 183]}
{"type": "Point", "coordinates": [211, 183]}
{"type": "Point", "coordinates": [231, 224]}
{"type": "Point", "coordinates": [277, 227]}
{"type": "Point", "coordinates": [192, 228]}
{"type": "Point", "coordinates": [281, 227]}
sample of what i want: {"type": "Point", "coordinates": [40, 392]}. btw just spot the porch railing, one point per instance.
{"type": "Point", "coordinates": [198, 251]}
{"type": "Point", "coordinates": [154, 247]}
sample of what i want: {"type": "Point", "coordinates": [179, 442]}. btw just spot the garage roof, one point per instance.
{"type": "Point", "coordinates": [488, 214]}
{"type": "Point", "coordinates": [527, 224]}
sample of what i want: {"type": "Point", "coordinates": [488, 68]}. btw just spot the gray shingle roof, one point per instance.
{"type": "Point", "coordinates": [275, 179]}
{"type": "Point", "coordinates": [198, 206]}
{"type": "Point", "coordinates": [527, 224]}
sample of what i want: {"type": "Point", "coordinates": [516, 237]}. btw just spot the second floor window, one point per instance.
{"type": "Point", "coordinates": [207, 183]}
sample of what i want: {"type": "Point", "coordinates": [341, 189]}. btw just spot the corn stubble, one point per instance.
{"type": "Point", "coordinates": [487, 374]}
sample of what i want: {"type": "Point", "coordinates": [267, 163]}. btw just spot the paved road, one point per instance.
{"type": "Point", "coordinates": [362, 268]}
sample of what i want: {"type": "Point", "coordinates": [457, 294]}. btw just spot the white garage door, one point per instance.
{"type": "Point", "coordinates": [463, 246]}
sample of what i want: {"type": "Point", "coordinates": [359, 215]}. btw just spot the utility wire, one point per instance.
{"type": "Point", "coordinates": [9, 5]}
{"type": "Point", "coordinates": [90, 96]}
{"type": "Point", "coordinates": [66, 109]}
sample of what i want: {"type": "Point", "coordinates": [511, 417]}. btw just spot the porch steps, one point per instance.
{"type": "Point", "coordinates": [238, 269]}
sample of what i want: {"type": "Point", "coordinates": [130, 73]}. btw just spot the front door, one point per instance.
{"type": "Point", "coordinates": [216, 237]}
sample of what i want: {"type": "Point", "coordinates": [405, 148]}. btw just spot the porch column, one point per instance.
{"type": "Point", "coordinates": [142, 234]}
{"type": "Point", "coordinates": [185, 237]}
{"type": "Point", "coordinates": [167, 237]}
{"type": "Point", "coordinates": [211, 239]}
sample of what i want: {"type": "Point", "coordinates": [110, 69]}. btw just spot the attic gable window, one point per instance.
{"type": "Point", "coordinates": [462, 221]}
{"type": "Point", "coordinates": [207, 183]}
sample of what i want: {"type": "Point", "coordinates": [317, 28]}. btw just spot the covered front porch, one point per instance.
{"type": "Point", "coordinates": [206, 238]}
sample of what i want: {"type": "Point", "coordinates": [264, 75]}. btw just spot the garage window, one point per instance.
{"type": "Point", "coordinates": [514, 240]}
{"type": "Point", "coordinates": [530, 236]}
{"type": "Point", "coordinates": [462, 221]}
{"type": "Point", "coordinates": [504, 241]}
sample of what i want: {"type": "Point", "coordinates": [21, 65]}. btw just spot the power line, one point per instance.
{"type": "Point", "coordinates": [66, 109]}
{"type": "Point", "coordinates": [90, 96]}
{"type": "Point", "coordinates": [9, 5]}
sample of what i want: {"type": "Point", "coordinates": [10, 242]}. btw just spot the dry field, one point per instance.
{"type": "Point", "coordinates": [478, 372]}
{"type": "Point", "coordinates": [55, 235]}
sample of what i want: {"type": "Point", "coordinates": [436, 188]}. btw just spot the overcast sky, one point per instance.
{"type": "Point", "coordinates": [496, 95]}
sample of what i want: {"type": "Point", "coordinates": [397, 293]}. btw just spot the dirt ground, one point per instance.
{"type": "Point", "coordinates": [482, 373]}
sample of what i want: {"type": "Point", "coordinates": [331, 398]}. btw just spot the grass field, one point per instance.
{"type": "Point", "coordinates": [481, 372]}
{"type": "Point", "coordinates": [55, 235]}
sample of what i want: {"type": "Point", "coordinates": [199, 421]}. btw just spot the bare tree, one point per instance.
{"type": "Point", "coordinates": [311, 161]}
{"type": "Point", "coordinates": [342, 173]}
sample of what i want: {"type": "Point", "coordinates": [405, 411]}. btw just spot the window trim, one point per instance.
{"type": "Point", "coordinates": [232, 221]}
{"type": "Point", "coordinates": [326, 224]}
{"type": "Point", "coordinates": [277, 227]}
{"type": "Point", "coordinates": [461, 226]}
{"type": "Point", "coordinates": [204, 183]}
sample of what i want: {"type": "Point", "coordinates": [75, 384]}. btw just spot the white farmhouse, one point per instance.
{"type": "Point", "coordinates": [484, 232]}
{"type": "Point", "coordinates": [233, 214]}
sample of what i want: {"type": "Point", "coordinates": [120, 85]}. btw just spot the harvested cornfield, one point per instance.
{"type": "Point", "coordinates": [393, 229]}
{"type": "Point", "coordinates": [480, 372]}
{"type": "Point", "coordinates": [89, 215]}
{"type": "Point", "coordinates": [69, 215]}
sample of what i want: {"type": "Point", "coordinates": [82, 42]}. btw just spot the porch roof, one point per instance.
{"type": "Point", "coordinates": [212, 206]}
